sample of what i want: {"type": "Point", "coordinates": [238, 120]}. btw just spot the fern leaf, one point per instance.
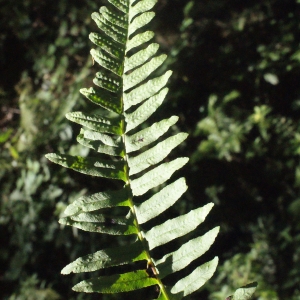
{"type": "Point", "coordinates": [107, 258]}
{"type": "Point", "coordinates": [127, 87]}
{"type": "Point", "coordinates": [97, 123]}
{"type": "Point", "coordinates": [148, 135]}
{"type": "Point", "coordinates": [145, 90]}
{"type": "Point", "coordinates": [156, 176]}
{"type": "Point", "coordinates": [145, 110]}
{"type": "Point", "coordinates": [107, 44]}
{"type": "Point", "coordinates": [196, 279]}
{"type": "Point", "coordinates": [91, 166]}
{"type": "Point", "coordinates": [116, 283]}
{"type": "Point", "coordinates": [174, 228]}
{"type": "Point", "coordinates": [100, 200]}
{"type": "Point", "coordinates": [155, 154]}
{"type": "Point", "coordinates": [138, 75]}
{"type": "Point", "coordinates": [244, 293]}
{"type": "Point", "coordinates": [188, 252]}
{"type": "Point", "coordinates": [111, 84]}
{"type": "Point", "coordinates": [141, 57]}
{"type": "Point", "coordinates": [113, 226]}
{"type": "Point", "coordinates": [138, 40]}
{"type": "Point", "coordinates": [100, 142]}
{"type": "Point", "coordinates": [153, 207]}
{"type": "Point", "coordinates": [141, 7]}
{"type": "Point", "coordinates": [104, 99]}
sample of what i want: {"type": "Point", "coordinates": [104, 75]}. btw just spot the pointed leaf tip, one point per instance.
{"type": "Point", "coordinates": [244, 293]}
{"type": "Point", "coordinates": [187, 253]}
{"type": "Point", "coordinates": [52, 157]}
{"type": "Point", "coordinates": [196, 279]}
{"type": "Point", "coordinates": [177, 227]}
{"type": "Point", "coordinates": [48, 155]}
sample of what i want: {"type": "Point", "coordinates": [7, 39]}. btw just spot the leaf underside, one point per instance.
{"type": "Point", "coordinates": [125, 148]}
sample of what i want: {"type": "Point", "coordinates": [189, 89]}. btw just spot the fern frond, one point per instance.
{"type": "Point", "coordinates": [126, 89]}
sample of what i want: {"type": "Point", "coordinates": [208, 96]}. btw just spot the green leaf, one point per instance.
{"type": "Point", "coordinates": [96, 217]}
{"type": "Point", "coordinates": [141, 7]}
{"type": "Point", "coordinates": [108, 62]}
{"type": "Point", "coordinates": [101, 227]}
{"type": "Point", "coordinates": [196, 279]}
{"type": "Point", "coordinates": [140, 74]}
{"type": "Point", "coordinates": [144, 111]}
{"type": "Point", "coordinates": [160, 201]}
{"type": "Point", "coordinates": [174, 228]}
{"type": "Point", "coordinates": [107, 44]}
{"type": "Point", "coordinates": [147, 136]}
{"type": "Point", "coordinates": [130, 98]}
{"type": "Point", "coordinates": [91, 166]}
{"type": "Point", "coordinates": [116, 33]}
{"type": "Point", "coordinates": [98, 143]}
{"type": "Point", "coordinates": [109, 83]}
{"type": "Point", "coordinates": [188, 252]}
{"type": "Point", "coordinates": [140, 57]}
{"type": "Point", "coordinates": [156, 176]}
{"type": "Point", "coordinates": [122, 5]}
{"type": "Point", "coordinates": [107, 258]}
{"type": "Point", "coordinates": [139, 39]}
{"type": "Point", "coordinates": [108, 140]}
{"type": "Point", "coordinates": [99, 200]}
{"type": "Point", "coordinates": [155, 154]}
{"type": "Point", "coordinates": [244, 293]}
{"type": "Point", "coordinates": [5, 135]}
{"type": "Point", "coordinates": [140, 21]}
{"type": "Point", "coordinates": [103, 98]}
{"type": "Point", "coordinates": [145, 90]}
{"type": "Point", "coordinates": [112, 17]}
{"type": "Point", "coordinates": [116, 283]}
{"type": "Point", "coordinates": [271, 78]}
{"type": "Point", "coordinates": [97, 123]}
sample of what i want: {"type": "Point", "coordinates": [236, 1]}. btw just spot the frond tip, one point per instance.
{"type": "Point", "coordinates": [131, 89]}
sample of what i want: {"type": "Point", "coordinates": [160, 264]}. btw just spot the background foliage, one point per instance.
{"type": "Point", "coordinates": [236, 88]}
